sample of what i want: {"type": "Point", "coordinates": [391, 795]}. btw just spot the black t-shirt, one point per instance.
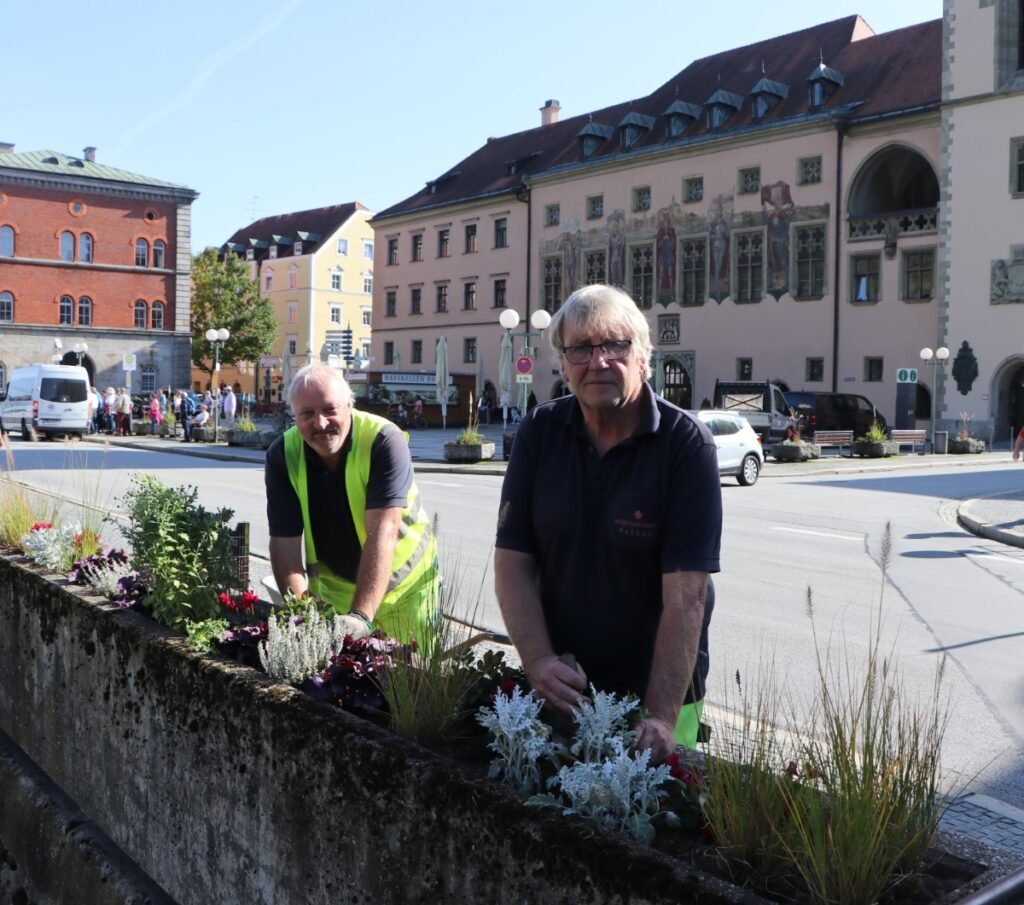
{"type": "Point", "coordinates": [334, 532]}
{"type": "Point", "coordinates": [604, 529]}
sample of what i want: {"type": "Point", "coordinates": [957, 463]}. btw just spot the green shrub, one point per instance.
{"type": "Point", "coordinates": [875, 434]}
{"type": "Point", "coordinates": [244, 424]}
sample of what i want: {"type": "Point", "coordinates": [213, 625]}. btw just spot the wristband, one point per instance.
{"type": "Point", "coordinates": [369, 624]}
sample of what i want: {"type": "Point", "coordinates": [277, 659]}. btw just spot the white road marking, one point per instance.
{"type": "Point", "coordinates": [423, 483]}
{"type": "Point", "coordinates": [854, 537]}
{"type": "Point", "coordinates": [990, 557]}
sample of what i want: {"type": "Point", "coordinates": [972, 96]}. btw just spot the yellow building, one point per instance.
{"type": "Point", "coordinates": [316, 267]}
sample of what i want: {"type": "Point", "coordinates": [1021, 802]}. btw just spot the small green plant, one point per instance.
{"type": "Point", "coordinates": [20, 508]}
{"type": "Point", "coordinates": [202, 635]}
{"type": "Point", "coordinates": [170, 421]}
{"type": "Point", "coordinates": [471, 435]}
{"type": "Point", "coordinates": [245, 425]}
{"type": "Point", "coordinates": [875, 434]}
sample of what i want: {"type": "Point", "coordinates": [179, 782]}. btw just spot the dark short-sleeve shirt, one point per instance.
{"type": "Point", "coordinates": [605, 529]}
{"type": "Point", "coordinates": [334, 532]}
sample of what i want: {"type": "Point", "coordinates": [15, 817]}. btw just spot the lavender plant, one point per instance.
{"type": "Point", "coordinates": [519, 738]}
{"type": "Point", "coordinates": [299, 647]}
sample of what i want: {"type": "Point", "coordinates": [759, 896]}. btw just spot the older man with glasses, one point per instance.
{"type": "Point", "coordinates": [609, 526]}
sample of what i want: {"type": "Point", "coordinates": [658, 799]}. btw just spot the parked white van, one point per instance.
{"type": "Point", "coordinates": [44, 400]}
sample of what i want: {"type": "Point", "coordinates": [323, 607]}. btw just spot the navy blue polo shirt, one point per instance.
{"type": "Point", "coordinates": [604, 529]}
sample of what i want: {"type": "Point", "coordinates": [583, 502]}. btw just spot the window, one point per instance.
{"type": "Point", "coordinates": [594, 269]}
{"type": "Point", "coordinates": [393, 250]}
{"type": "Point", "coordinates": [865, 278]}
{"type": "Point", "coordinates": [67, 246]}
{"type": "Point", "coordinates": [442, 299]}
{"type": "Point", "coordinates": [744, 368]}
{"type": "Point", "coordinates": [365, 349]}
{"type": "Point", "coordinates": [416, 350]}
{"type": "Point", "coordinates": [156, 317]}
{"type": "Point", "coordinates": [749, 267]}
{"type": "Point", "coordinates": [1017, 156]}
{"type": "Point", "coordinates": [641, 268]}
{"type": "Point", "coordinates": [272, 251]}
{"type": "Point", "coordinates": [335, 314]}
{"type": "Point", "coordinates": [159, 253]}
{"type": "Point", "coordinates": [642, 198]}
{"type": "Point", "coordinates": [293, 345]}
{"type": "Point", "coordinates": [809, 171]}
{"type": "Point", "coordinates": [469, 350]}
{"type": "Point", "coordinates": [343, 247]}
{"type": "Point", "coordinates": [415, 301]}
{"type": "Point", "coordinates": [292, 315]}
{"type": "Point", "coordinates": [66, 311]}
{"type": "Point", "coordinates": [268, 280]}
{"type": "Point", "coordinates": [141, 253]}
{"type": "Point", "coordinates": [872, 370]}
{"type": "Point", "coordinates": [750, 180]}
{"type": "Point", "coordinates": [368, 250]}
{"type": "Point", "coordinates": [443, 243]}
{"type": "Point", "coordinates": [595, 207]}
{"type": "Point", "coordinates": [470, 238]}
{"type": "Point", "coordinates": [693, 189]}
{"type": "Point", "coordinates": [6, 308]}
{"type": "Point", "coordinates": [810, 262]}
{"type": "Point", "coordinates": [717, 116]}
{"type": "Point", "coordinates": [85, 311]}
{"type": "Point", "coordinates": [417, 247]}
{"type": "Point", "coordinates": [293, 277]}
{"type": "Point", "coordinates": [469, 297]}
{"type": "Point", "coordinates": [552, 214]}
{"type": "Point", "coordinates": [336, 283]}
{"type": "Point", "coordinates": [694, 271]}
{"type": "Point", "coordinates": [918, 274]}
{"type": "Point", "coordinates": [389, 353]}
{"type": "Point", "coordinates": [500, 293]}
{"type": "Point", "coordinates": [147, 380]}
{"type": "Point", "coordinates": [390, 303]}
{"type": "Point", "coordinates": [7, 241]}
{"type": "Point", "coordinates": [367, 316]}
{"type": "Point", "coordinates": [368, 283]}
{"type": "Point", "coordinates": [814, 370]}
{"type": "Point", "coordinates": [141, 315]}
{"type": "Point", "coordinates": [85, 248]}
{"type": "Point", "coordinates": [551, 268]}
{"type": "Point", "coordinates": [501, 232]}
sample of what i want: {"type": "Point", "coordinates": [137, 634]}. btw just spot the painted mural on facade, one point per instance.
{"type": "Point", "coordinates": [1007, 286]}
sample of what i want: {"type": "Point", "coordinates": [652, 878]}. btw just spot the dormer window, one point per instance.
{"type": "Point", "coordinates": [679, 116]}
{"type": "Point", "coordinates": [297, 248]}
{"type": "Point", "coordinates": [591, 137]}
{"type": "Point", "coordinates": [272, 253]}
{"type": "Point", "coordinates": [822, 83]}
{"type": "Point", "coordinates": [633, 127]}
{"type": "Point", "coordinates": [720, 106]}
{"type": "Point", "coordinates": [250, 254]}
{"type": "Point", "coordinates": [766, 94]}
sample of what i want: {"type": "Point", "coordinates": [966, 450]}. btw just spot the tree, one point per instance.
{"type": "Point", "coordinates": [224, 295]}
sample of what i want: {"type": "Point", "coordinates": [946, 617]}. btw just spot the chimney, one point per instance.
{"type": "Point", "coordinates": [549, 113]}
{"type": "Point", "coordinates": [89, 154]}
{"type": "Point", "coordinates": [6, 147]}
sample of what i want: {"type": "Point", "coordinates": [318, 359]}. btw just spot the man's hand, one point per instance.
{"type": "Point", "coordinates": [558, 683]}
{"type": "Point", "coordinates": [657, 735]}
{"type": "Point", "coordinates": [354, 626]}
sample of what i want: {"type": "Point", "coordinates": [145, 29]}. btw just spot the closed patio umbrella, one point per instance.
{"type": "Point", "coordinates": [441, 377]}
{"type": "Point", "coordinates": [505, 378]}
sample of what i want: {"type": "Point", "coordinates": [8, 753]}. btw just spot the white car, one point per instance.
{"type": "Point", "coordinates": [739, 447]}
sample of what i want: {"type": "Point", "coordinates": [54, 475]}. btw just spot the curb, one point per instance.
{"type": "Point", "coordinates": [971, 521]}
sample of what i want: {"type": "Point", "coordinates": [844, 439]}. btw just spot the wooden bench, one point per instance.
{"type": "Point", "coordinates": [911, 438]}
{"type": "Point", "coordinates": [834, 438]}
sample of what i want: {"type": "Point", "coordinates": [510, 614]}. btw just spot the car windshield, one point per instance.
{"type": "Point", "coordinates": [59, 389]}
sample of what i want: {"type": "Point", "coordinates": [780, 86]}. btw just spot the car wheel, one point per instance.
{"type": "Point", "coordinates": [749, 471]}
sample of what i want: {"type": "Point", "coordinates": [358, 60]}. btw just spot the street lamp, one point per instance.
{"type": "Point", "coordinates": [934, 358]}
{"type": "Point", "coordinates": [539, 320]}
{"type": "Point", "coordinates": [80, 349]}
{"type": "Point", "coordinates": [217, 338]}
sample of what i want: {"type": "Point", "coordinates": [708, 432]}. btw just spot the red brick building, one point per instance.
{"type": "Point", "coordinates": [97, 257]}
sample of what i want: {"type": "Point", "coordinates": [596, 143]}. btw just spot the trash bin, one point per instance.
{"type": "Point", "coordinates": [941, 442]}
{"type": "Point", "coordinates": [507, 439]}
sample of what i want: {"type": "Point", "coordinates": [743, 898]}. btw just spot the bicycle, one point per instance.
{"type": "Point", "coordinates": [418, 422]}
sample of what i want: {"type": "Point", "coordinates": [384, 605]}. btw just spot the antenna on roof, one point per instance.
{"type": "Point", "coordinates": [252, 215]}
{"type": "Point", "coordinates": [821, 57]}
{"type": "Point", "coordinates": [763, 70]}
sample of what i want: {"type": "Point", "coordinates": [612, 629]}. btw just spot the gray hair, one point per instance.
{"type": "Point", "coordinates": [314, 373]}
{"type": "Point", "coordinates": [603, 309]}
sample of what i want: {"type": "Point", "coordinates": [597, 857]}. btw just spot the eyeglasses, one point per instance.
{"type": "Point", "coordinates": [611, 350]}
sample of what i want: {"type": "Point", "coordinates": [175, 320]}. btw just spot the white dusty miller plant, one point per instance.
{"type": "Point", "coordinates": [300, 646]}
{"type": "Point", "coordinates": [518, 738]}
{"type": "Point", "coordinates": [602, 728]}
{"type": "Point", "coordinates": [52, 547]}
{"type": "Point", "coordinates": [104, 577]}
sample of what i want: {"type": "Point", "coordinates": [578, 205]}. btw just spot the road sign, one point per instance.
{"type": "Point", "coordinates": [524, 365]}
{"type": "Point", "coordinates": [128, 361]}
{"type": "Point", "coordinates": [524, 378]}
{"type": "Point", "coordinates": [906, 375]}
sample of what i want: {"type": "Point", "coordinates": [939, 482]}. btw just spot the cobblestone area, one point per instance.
{"type": "Point", "coordinates": [986, 820]}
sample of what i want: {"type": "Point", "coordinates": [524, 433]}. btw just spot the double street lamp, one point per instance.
{"type": "Point", "coordinates": [80, 349]}
{"type": "Point", "coordinates": [934, 358]}
{"type": "Point", "coordinates": [539, 320]}
{"type": "Point", "coordinates": [217, 338]}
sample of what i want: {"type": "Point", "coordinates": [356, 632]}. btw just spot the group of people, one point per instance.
{"type": "Point", "coordinates": [609, 524]}
{"type": "Point", "coordinates": [111, 411]}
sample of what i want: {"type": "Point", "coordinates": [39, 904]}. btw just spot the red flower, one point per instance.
{"type": "Point", "coordinates": [249, 601]}
{"type": "Point", "coordinates": [225, 601]}
{"type": "Point", "coordinates": [42, 526]}
{"type": "Point", "coordinates": [507, 686]}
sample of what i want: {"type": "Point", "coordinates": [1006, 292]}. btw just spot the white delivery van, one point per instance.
{"type": "Point", "coordinates": [46, 400]}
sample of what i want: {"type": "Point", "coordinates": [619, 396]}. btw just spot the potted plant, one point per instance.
{"type": "Point", "coordinates": [875, 443]}
{"type": "Point", "coordinates": [166, 427]}
{"type": "Point", "coordinates": [795, 448]}
{"type": "Point", "coordinates": [244, 433]}
{"type": "Point", "coordinates": [470, 445]}
{"type": "Point", "coordinates": [964, 442]}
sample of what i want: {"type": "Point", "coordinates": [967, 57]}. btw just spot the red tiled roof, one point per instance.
{"type": "Point", "coordinates": [320, 221]}
{"type": "Point", "coordinates": [899, 70]}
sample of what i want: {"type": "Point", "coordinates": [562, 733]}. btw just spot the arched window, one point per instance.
{"type": "Point", "coordinates": [85, 311]}
{"type": "Point", "coordinates": [148, 379]}
{"type": "Point", "coordinates": [141, 314]}
{"type": "Point", "coordinates": [141, 253]}
{"type": "Point", "coordinates": [85, 248]}
{"type": "Point", "coordinates": [6, 308]}
{"type": "Point", "coordinates": [67, 246]}
{"type": "Point", "coordinates": [157, 318]}
{"type": "Point", "coordinates": [7, 241]}
{"type": "Point", "coordinates": [67, 310]}
{"type": "Point", "coordinates": [677, 385]}
{"type": "Point", "coordinates": [923, 403]}
{"type": "Point", "coordinates": [159, 253]}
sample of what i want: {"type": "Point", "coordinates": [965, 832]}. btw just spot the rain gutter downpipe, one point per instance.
{"type": "Point", "coordinates": [841, 126]}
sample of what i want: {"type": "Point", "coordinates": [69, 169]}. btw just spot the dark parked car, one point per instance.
{"type": "Point", "coordinates": [834, 412]}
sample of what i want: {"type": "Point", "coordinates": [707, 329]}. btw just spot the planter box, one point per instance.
{"type": "Point", "coordinates": [875, 449]}
{"type": "Point", "coordinates": [244, 438]}
{"type": "Point", "coordinates": [796, 452]}
{"type": "Point", "coordinates": [268, 437]}
{"type": "Point", "coordinates": [202, 434]}
{"type": "Point", "coordinates": [961, 445]}
{"type": "Point", "coordinates": [469, 452]}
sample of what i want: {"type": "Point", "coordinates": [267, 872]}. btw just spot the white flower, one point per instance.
{"type": "Point", "coordinates": [300, 647]}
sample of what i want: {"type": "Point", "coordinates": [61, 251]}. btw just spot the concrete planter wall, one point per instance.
{"type": "Point", "coordinates": [225, 787]}
{"type": "Point", "coordinates": [469, 452]}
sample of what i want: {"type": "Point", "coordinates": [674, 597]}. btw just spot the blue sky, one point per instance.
{"type": "Point", "coordinates": [303, 103]}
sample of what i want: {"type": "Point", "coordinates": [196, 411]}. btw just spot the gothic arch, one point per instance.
{"type": "Point", "coordinates": [896, 177]}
